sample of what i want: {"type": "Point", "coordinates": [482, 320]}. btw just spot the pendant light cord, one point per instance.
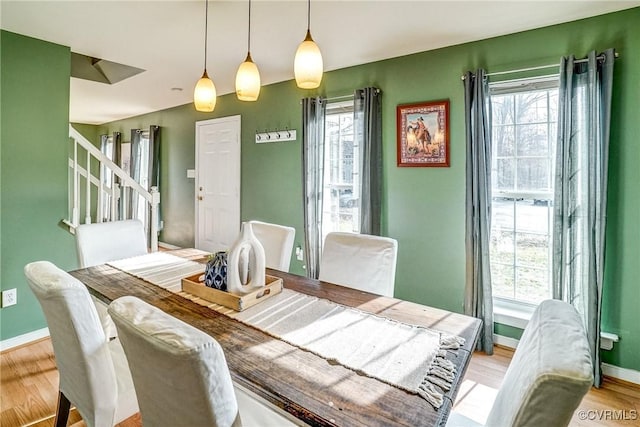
{"type": "Point", "coordinates": [308, 15]}
{"type": "Point", "coordinates": [206, 22]}
{"type": "Point", "coordinates": [249, 32]}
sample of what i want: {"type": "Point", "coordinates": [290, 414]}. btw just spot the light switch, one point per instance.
{"type": "Point", "coordinates": [191, 173]}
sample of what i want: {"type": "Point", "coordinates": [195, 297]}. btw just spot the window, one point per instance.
{"type": "Point", "coordinates": [524, 122]}
{"type": "Point", "coordinates": [341, 187]}
{"type": "Point", "coordinates": [107, 146]}
{"type": "Point", "coordinates": [141, 160]}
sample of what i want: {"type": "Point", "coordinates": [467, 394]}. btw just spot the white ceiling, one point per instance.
{"type": "Point", "coordinates": [166, 38]}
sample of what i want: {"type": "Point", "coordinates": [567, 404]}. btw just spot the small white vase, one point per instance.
{"type": "Point", "coordinates": [246, 263]}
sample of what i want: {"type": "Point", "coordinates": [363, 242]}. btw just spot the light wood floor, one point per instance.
{"type": "Point", "coordinates": [616, 403]}
{"type": "Point", "coordinates": [29, 389]}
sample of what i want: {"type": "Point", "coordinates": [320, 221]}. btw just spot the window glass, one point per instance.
{"type": "Point", "coordinates": [341, 211]}
{"type": "Point", "coordinates": [523, 141]}
{"type": "Point", "coordinates": [107, 148]}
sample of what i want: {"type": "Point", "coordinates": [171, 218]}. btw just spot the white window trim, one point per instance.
{"type": "Point", "coordinates": [607, 339]}
{"type": "Point", "coordinates": [525, 84]}
{"type": "Point", "coordinates": [506, 311]}
{"type": "Point", "coordinates": [339, 107]}
{"type": "Point", "coordinates": [517, 314]}
{"type": "Point", "coordinates": [512, 313]}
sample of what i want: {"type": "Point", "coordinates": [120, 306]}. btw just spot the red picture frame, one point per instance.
{"type": "Point", "coordinates": [423, 134]}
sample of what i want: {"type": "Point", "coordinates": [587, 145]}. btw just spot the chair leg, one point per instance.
{"type": "Point", "coordinates": [62, 413]}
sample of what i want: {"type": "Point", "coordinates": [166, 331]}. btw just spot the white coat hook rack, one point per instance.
{"type": "Point", "coordinates": [275, 136]}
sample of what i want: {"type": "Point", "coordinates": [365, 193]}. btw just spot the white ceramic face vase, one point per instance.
{"type": "Point", "coordinates": [246, 263]}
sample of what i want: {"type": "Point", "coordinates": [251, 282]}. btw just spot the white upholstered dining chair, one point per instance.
{"type": "Point", "coordinates": [360, 261]}
{"type": "Point", "coordinates": [181, 374]}
{"type": "Point", "coordinates": [277, 241]}
{"type": "Point", "coordinates": [549, 374]}
{"type": "Point", "coordinates": [94, 374]}
{"type": "Point", "coordinates": [109, 241]}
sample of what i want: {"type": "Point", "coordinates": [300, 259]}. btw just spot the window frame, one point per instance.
{"type": "Point", "coordinates": [507, 311]}
{"type": "Point", "coordinates": [337, 108]}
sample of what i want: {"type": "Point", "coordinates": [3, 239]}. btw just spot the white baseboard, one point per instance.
{"type": "Point", "coordinates": [23, 339]}
{"type": "Point", "coordinates": [165, 245]}
{"type": "Point", "coordinates": [505, 341]}
{"type": "Point", "coordinates": [624, 374]}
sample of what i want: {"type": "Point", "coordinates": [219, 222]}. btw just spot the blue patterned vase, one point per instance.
{"type": "Point", "coordinates": [215, 274]}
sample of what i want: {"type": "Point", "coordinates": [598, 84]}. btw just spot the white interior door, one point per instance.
{"type": "Point", "coordinates": [217, 183]}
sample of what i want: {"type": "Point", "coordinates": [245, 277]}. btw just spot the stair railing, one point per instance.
{"type": "Point", "coordinates": [108, 199]}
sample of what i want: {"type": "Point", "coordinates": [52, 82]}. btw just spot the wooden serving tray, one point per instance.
{"type": "Point", "coordinates": [235, 302]}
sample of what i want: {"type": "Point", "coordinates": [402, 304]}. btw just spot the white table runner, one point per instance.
{"type": "Point", "coordinates": [160, 268]}
{"type": "Point", "coordinates": [406, 356]}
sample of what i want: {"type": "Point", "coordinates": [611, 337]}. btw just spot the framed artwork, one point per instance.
{"type": "Point", "coordinates": [423, 134]}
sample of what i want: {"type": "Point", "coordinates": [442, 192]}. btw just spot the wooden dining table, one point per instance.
{"type": "Point", "coordinates": [301, 383]}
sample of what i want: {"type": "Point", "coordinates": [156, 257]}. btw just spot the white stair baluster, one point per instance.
{"type": "Point", "coordinates": [87, 200]}
{"type": "Point", "coordinates": [154, 218]}
{"type": "Point", "coordinates": [115, 196]}
{"type": "Point", "coordinates": [76, 193]}
{"type": "Point", "coordinates": [124, 194]}
{"type": "Point", "coordinates": [101, 195]}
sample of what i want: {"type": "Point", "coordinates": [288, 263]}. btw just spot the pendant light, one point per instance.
{"type": "Point", "coordinates": [204, 95]}
{"type": "Point", "coordinates": [248, 76]}
{"type": "Point", "coordinates": [307, 66]}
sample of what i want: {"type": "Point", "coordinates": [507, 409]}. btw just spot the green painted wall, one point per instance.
{"type": "Point", "coordinates": [424, 207]}
{"type": "Point", "coordinates": [34, 110]}
{"type": "Point", "coordinates": [88, 131]}
{"type": "Point", "coordinates": [507, 331]}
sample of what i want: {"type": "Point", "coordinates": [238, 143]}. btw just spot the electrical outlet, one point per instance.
{"type": "Point", "coordinates": [9, 297]}
{"type": "Point", "coordinates": [299, 254]}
